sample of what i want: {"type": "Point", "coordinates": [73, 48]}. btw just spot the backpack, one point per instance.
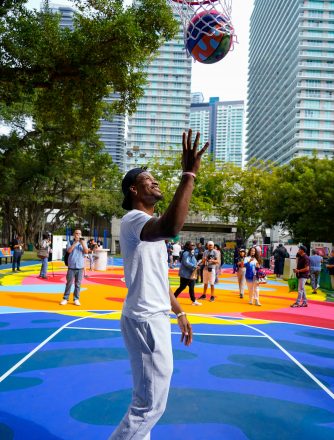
{"type": "Point", "coordinates": [261, 275]}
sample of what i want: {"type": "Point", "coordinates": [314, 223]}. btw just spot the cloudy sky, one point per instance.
{"type": "Point", "coordinates": [228, 78]}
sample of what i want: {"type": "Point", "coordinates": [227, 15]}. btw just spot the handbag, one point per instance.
{"type": "Point", "coordinates": [293, 284]}
{"type": "Point", "coordinates": [43, 253]}
{"type": "Point", "coordinates": [193, 275]}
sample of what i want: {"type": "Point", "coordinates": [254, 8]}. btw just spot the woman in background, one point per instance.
{"type": "Point", "coordinates": [251, 263]}
{"type": "Point", "coordinates": [188, 265]}
{"type": "Point", "coordinates": [241, 272]}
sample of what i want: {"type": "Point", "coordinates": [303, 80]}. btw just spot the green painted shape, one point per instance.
{"type": "Point", "coordinates": [235, 341]}
{"type": "Point", "coordinates": [4, 324]}
{"type": "Point", "coordinates": [183, 355]}
{"type": "Point", "coordinates": [256, 416]}
{"type": "Point", "coordinates": [64, 358]}
{"type": "Point", "coordinates": [5, 432]}
{"type": "Point", "coordinates": [28, 335]}
{"type": "Point", "coordinates": [13, 383]}
{"type": "Point", "coordinates": [318, 336]}
{"type": "Point", "coordinates": [44, 321]}
{"type": "Point", "coordinates": [264, 369]}
{"type": "Point", "coordinates": [323, 352]}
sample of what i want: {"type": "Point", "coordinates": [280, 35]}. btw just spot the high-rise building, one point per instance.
{"type": "Point", "coordinates": [162, 115]}
{"type": "Point", "coordinates": [222, 124]}
{"type": "Point", "coordinates": [291, 80]}
{"type": "Point", "coordinates": [111, 133]}
{"type": "Point", "coordinates": [197, 98]}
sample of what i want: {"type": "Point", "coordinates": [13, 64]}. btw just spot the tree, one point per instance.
{"type": "Point", "coordinates": [60, 76]}
{"type": "Point", "coordinates": [301, 199]}
{"type": "Point", "coordinates": [45, 179]}
{"type": "Point", "coordinates": [53, 82]}
{"type": "Point", "coordinates": [224, 190]}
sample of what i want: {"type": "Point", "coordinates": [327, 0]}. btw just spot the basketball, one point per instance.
{"type": "Point", "coordinates": [205, 40]}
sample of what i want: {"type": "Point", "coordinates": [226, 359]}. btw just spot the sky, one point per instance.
{"type": "Point", "coordinates": [226, 79]}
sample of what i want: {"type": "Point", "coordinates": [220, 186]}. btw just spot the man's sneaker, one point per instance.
{"type": "Point", "coordinates": [63, 302]}
{"type": "Point", "coordinates": [77, 302]}
{"type": "Point", "coordinates": [250, 302]}
{"type": "Point", "coordinates": [196, 303]}
{"type": "Point", "coordinates": [303, 304]}
{"type": "Point", "coordinates": [202, 297]}
{"type": "Point", "coordinates": [295, 305]}
{"type": "Point", "coordinates": [241, 295]}
{"type": "Point", "coordinates": [212, 298]}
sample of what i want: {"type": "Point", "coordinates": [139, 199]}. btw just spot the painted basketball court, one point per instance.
{"type": "Point", "coordinates": [251, 373]}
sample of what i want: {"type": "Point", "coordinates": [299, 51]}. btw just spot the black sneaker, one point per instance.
{"type": "Point", "coordinates": [241, 296]}
{"type": "Point", "coordinates": [304, 304]}
{"type": "Point", "coordinates": [295, 305]}
{"type": "Point", "coordinates": [212, 298]}
{"type": "Point", "coordinates": [202, 297]}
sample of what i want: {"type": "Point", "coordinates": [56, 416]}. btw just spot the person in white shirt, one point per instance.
{"type": "Point", "coordinates": [176, 250]}
{"type": "Point", "coordinates": [145, 319]}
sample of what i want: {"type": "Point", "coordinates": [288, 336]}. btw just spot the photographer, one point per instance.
{"type": "Point", "coordinates": [210, 260]}
{"type": "Point", "coordinates": [77, 249]}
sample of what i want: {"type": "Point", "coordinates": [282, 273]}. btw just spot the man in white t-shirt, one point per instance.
{"type": "Point", "coordinates": [176, 253]}
{"type": "Point", "coordinates": [145, 319]}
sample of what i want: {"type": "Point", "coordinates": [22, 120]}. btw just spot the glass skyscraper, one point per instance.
{"type": "Point", "coordinates": [155, 130]}
{"type": "Point", "coordinates": [222, 124]}
{"type": "Point", "coordinates": [291, 80]}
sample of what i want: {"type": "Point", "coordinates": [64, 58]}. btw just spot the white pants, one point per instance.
{"type": "Point", "coordinates": [150, 352]}
{"type": "Point", "coordinates": [241, 280]}
{"type": "Point", "coordinates": [253, 290]}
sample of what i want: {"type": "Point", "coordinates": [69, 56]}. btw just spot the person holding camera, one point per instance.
{"type": "Point", "coordinates": [77, 249]}
{"type": "Point", "coordinates": [18, 252]}
{"type": "Point", "coordinates": [210, 261]}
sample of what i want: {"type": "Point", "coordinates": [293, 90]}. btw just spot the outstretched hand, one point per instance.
{"type": "Point", "coordinates": [191, 157]}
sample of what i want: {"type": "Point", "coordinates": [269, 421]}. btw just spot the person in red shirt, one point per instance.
{"type": "Point", "coordinates": [302, 273]}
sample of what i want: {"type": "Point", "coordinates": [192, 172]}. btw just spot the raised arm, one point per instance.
{"type": "Point", "coordinates": [172, 221]}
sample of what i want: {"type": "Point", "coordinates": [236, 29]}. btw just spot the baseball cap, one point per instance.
{"type": "Point", "coordinates": [128, 180]}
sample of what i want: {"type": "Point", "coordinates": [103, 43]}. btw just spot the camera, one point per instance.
{"type": "Point", "coordinates": [81, 238]}
{"type": "Point", "coordinates": [209, 269]}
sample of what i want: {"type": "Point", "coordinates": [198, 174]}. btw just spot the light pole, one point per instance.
{"type": "Point", "coordinates": [135, 152]}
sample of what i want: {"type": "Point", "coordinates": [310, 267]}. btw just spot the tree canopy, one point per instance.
{"type": "Point", "coordinates": [53, 84]}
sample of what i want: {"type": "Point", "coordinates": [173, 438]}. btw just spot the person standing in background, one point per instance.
{"type": "Point", "coordinates": [188, 265]}
{"type": "Point", "coordinates": [45, 245]}
{"type": "Point", "coordinates": [17, 248]}
{"type": "Point", "coordinates": [302, 273]}
{"type": "Point", "coordinates": [251, 263]}
{"type": "Point", "coordinates": [77, 249]}
{"type": "Point", "coordinates": [241, 272]}
{"type": "Point", "coordinates": [330, 267]}
{"type": "Point", "coordinates": [315, 269]}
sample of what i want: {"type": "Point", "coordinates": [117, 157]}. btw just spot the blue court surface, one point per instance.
{"type": "Point", "coordinates": [66, 376]}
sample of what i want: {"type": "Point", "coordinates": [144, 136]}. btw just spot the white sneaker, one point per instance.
{"type": "Point", "coordinates": [257, 303]}
{"type": "Point", "coordinates": [77, 302]}
{"type": "Point", "coordinates": [63, 302]}
{"type": "Point", "coordinates": [196, 303]}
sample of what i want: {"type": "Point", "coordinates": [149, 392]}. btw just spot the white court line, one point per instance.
{"type": "Point", "coordinates": [173, 333]}
{"type": "Point", "coordinates": [25, 358]}
{"type": "Point", "coordinates": [293, 359]}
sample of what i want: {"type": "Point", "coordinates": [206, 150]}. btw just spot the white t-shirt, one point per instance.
{"type": "Point", "coordinates": [145, 269]}
{"type": "Point", "coordinates": [176, 250]}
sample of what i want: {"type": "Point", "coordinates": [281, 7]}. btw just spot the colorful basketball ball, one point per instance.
{"type": "Point", "coordinates": [205, 40]}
